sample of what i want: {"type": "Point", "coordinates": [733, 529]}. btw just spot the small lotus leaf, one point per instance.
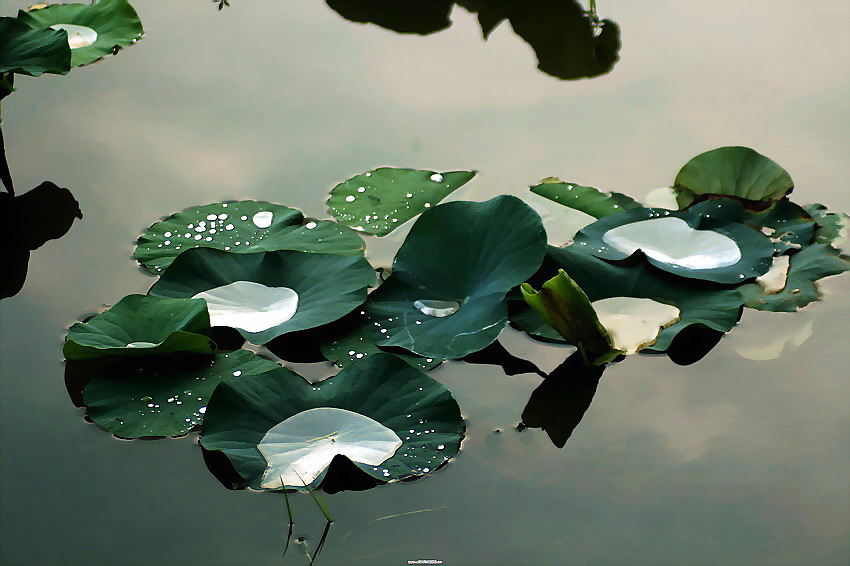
{"type": "Point", "coordinates": [379, 201]}
{"type": "Point", "coordinates": [831, 226]}
{"type": "Point", "coordinates": [166, 396]}
{"type": "Point", "coordinates": [242, 227]}
{"type": "Point", "coordinates": [446, 296]}
{"type": "Point", "coordinates": [32, 52]}
{"type": "Point", "coordinates": [732, 171]}
{"type": "Point", "coordinates": [327, 286]}
{"type": "Point", "coordinates": [115, 23]}
{"type": "Point", "coordinates": [139, 325]}
{"type": "Point", "coordinates": [585, 199]}
{"type": "Point", "coordinates": [419, 411]}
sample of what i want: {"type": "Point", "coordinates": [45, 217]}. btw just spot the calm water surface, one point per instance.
{"type": "Point", "coordinates": [730, 461]}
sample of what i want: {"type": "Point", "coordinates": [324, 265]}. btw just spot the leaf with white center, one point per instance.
{"type": "Point", "coordinates": [446, 295]}
{"type": "Point", "coordinates": [381, 200]}
{"type": "Point", "coordinates": [693, 245]}
{"type": "Point", "coordinates": [163, 395]}
{"type": "Point", "coordinates": [634, 323]}
{"type": "Point", "coordinates": [390, 420]}
{"type": "Point", "coordinates": [267, 294]}
{"type": "Point", "coordinates": [141, 325]}
{"type": "Point", "coordinates": [94, 30]}
{"type": "Point", "coordinates": [245, 226]}
{"type": "Point", "coordinates": [585, 199]}
{"type": "Point", "coordinates": [732, 171]}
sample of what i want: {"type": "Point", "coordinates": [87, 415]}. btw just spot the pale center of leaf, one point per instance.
{"type": "Point", "coordinates": [249, 306]}
{"type": "Point", "coordinates": [141, 344]}
{"type": "Point", "coordinates": [436, 308]}
{"type": "Point", "coordinates": [634, 323]}
{"type": "Point", "coordinates": [671, 240]}
{"type": "Point", "coordinates": [263, 219]}
{"type": "Point", "coordinates": [300, 448]}
{"type": "Point", "coordinates": [78, 36]}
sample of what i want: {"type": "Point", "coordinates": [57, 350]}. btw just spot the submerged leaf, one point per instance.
{"type": "Point", "coordinates": [379, 201]}
{"type": "Point", "coordinates": [585, 199]}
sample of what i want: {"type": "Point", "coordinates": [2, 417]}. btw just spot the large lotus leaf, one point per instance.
{"type": "Point", "coordinates": [32, 52]}
{"type": "Point", "coordinates": [701, 304]}
{"type": "Point", "coordinates": [141, 325]}
{"type": "Point", "coordinates": [245, 226]}
{"type": "Point", "coordinates": [446, 296]}
{"type": "Point", "coordinates": [277, 429]}
{"type": "Point", "coordinates": [163, 396]}
{"type": "Point", "coordinates": [94, 30]}
{"type": "Point", "coordinates": [697, 246]}
{"type": "Point", "coordinates": [585, 199]}
{"type": "Point", "coordinates": [379, 201]}
{"type": "Point", "coordinates": [831, 226]}
{"type": "Point", "coordinates": [565, 307]}
{"type": "Point", "coordinates": [806, 267]}
{"type": "Point", "coordinates": [354, 346]}
{"type": "Point", "coordinates": [732, 171]}
{"type": "Point", "coordinates": [267, 294]}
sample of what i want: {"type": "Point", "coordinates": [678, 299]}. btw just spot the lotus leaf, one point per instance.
{"type": "Point", "coordinates": [165, 396]}
{"type": "Point", "coordinates": [32, 52]}
{"type": "Point", "coordinates": [379, 201]}
{"type": "Point", "coordinates": [139, 326]}
{"type": "Point", "coordinates": [831, 226]}
{"type": "Point", "coordinates": [355, 346]}
{"type": "Point", "coordinates": [94, 30]}
{"type": "Point", "coordinates": [446, 295]}
{"type": "Point", "coordinates": [732, 171]}
{"type": "Point", "coordinates": [242, 227]}
{"type": "Point", "coordinates": [267, 294]}
{"type": "Point", "coordinates": [700, 304]}
{"type": "Point", "coordinates": [393, 421]}
{"type": "Point", "coordinates": [585, 199]}
{"type": "Point", "coordinates": [698, 246]}
{"type": "Point", "coordinates": [806, 267]}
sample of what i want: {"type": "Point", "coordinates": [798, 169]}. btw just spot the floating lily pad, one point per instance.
{"type": "Point", "coordinates": [166, 396]}
{"type": "Point", "coordinates": [585, 199]}
{"type": "Point", "coordinates": [94, 30]}
{"type": "Point", "coordinates": [242, 227]}
{"type": "Point", "coordinates": [446, 296]}
{"type": "Point", "coordinates": [379, 201]}
{"type": "Point", "coordinates": [139, 326]}
{"type": "Point", "coordinates": [732, 171]}
{"type": "Point", "coordinates": [279, 431]}
{"type": "Point", "coordinates": [32, 52]}
{"type": "Point", "coordinates": [267, 294]}
{"type": "Point", "coordinates": [697, 246]}
{"type": "Point", "coordinates": [355, 346]}
{"type": "Point", "coordinates": [832, 227]}
{"type": "Point", "coordinates": [806, 268]}
{"type": "Point", "coordinates": [714, 307]}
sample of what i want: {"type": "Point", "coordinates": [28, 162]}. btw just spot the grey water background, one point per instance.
{"type": "Point", "coordinates": [730, 461]}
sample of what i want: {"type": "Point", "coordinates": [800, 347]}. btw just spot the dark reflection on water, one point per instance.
{"type": "Point", "coordinates": [570, 43]}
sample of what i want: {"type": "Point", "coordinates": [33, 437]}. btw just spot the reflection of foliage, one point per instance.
{"type": "Point", "coordinates": [569, 42]}
{"type": "Point", "coordinates": [26, 223]}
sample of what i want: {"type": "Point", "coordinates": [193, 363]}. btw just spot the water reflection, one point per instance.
{"type": "Point", "coordinates": [570, 43]}
{"type": "Point", "coordinates": [26, 223]}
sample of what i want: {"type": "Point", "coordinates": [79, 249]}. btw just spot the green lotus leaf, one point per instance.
{"type": "Point", "coordinates": [390, 419]}
{"type": "Point", "coordinates": [585, 199]}
{"type": "Point", "coordinates": [701, 304]}
{"type": "Point", "coordinates": [354, 346]}
{"type": "Point", "coordinates": [696, 246]}
{"type": "Point", "coordinates": [446, 295]}
{"type": "Point", "coordinates": [564, 306]}
{"type": "Point", "coordinates": [806, 267]}
{"type": "Point", "coordinates": [163, 397]}
{"type": "Point", "coordinates": [831, 226]}
{"type": "Point", "coordinates": [267, 294]}
{"type": "Point", "coordinates": [140, 325]}
{"type": "Point", "coordinates": [32, 52]}
{"type": "Point", "coordinates": [732, 171]}
{"type": "Point", "coordinates": [379, 201]}
{"type": "Point", "coordinates": [94, 30]}
{"type": "Point", "coordinates": [242, 227]}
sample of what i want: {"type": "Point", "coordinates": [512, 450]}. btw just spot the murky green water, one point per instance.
{"type": "Point", "coordinates": [729, 461]}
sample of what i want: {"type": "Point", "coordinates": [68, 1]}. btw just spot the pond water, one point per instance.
{"type": "Point", "coordinates": [729, 461]}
